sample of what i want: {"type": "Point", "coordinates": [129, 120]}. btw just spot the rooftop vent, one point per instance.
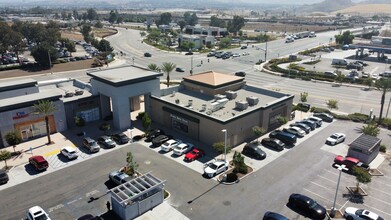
{"type": "Point", "coordinates": [173, 94]}
{"type": "Point", "coordinates": [241, 105]}
{"type": "Point", "coordinates": [203, 108]}
{"type": "Point", "coordinates": [231, 94]}
{"type": "Point", "coordinates": [190, 103]}
{"type": "Point", "coordinates": [220, 96]}
{"type": "Point", "coordinates": [252, 100]}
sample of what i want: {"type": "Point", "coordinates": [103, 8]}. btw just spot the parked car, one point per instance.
{"type": "Point", "coordinates": [211, 54]}
{"type": "Point", "coordinates": [240, 73]}
{"type": "Point", "coordinates": [189, 53]}
{"type": "Point", "coordinates": [324, 116]}
{"type": "Point", "coordinates": [309, 123]}
{"type": "Point", "coordinates": [182, 148]}
{"type": "Point", "coordinates": [235, 55]}
{"type": "Point", "coordinates": [273, 143]}
{"type": "Point", "coordinates": [287, 138]}
{"type": "Point", "coordinates": [3, 177]}
{"type": "Point", "coordinates": [304, 106]}
{"type": "Point", "coordinates": [214, 168]}
{"type": "Point", "coordinates": [169, 145]}
{"type": "Point", "coordinates": [318, 121]}
{"type": "Point", "coordinates": [330, 73]}
{"type": "Point", "coordinates": [39, 163]}
{"type": "Point", "coordinates": [273, 216]}
{"type": "Point", "coordinates": [69, 152]}
{"type": "Point", "coordinates": [147, 54]}
{"type": "Point", "coordinates": [352, 213]}
{"type": "Point", "coordinates": [307, 205]}
{"type": "Point", "coordinates": [159, 140]}
{"type": "Point", "coordinates": [37, 213]}
{"type": "Point", "coordinates": [356, 66]}
{"type": "Point", "coordinates": [121, 138]}
{"type": "Point", "coordinates": [194, 154]}
{"type": "Point", "coordinates": [181, 70]}
{"type": "Point", "coordinates": [106, 141]}
{"type": "Point", "coordinates": [295, 131]}
{"type": "Point", "coordinates": [119, 177]}
{"type": "Point", "coordinates": [245, 53]}
{"type": "Point", "coordinates": [350, 162]}
{"type": "Point", "coordinates": [302, 126]}
{"type": "Point", "coordinates": [361, 62]}
{"type": "Point", "coordinates": [243, 47]}
{"type": "Point", "coordinates": [89, 217]}
{"type": "Point", "coordinates": [253, 150]}
{"type": "Point", "coordinates": [336, 138]}
{"type": "Point", "coordinates": [91, 145]}
{"type": "Point", "coordinates": [154, 133]}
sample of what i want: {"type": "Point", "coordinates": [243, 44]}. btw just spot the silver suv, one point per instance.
{"type": "Point", "coordinates": [91, 145]}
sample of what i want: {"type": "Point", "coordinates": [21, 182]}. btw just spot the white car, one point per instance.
{"type": "Point", "coordinates": [318, 121]}
{"type": "Point", "coordinates": [37, 213]}
{"type": "Point", "coordinates": [296, 131]}
{"type": "Point", "coordinates": [336, 138]}
{"type": "Point", "coordinates": [69, 152]}
{"type": "Point", "coordinates": [169, 145]}
{"type": "Point", "coordinates": [182, 148]}
{"type": "Point", "coordinates": [214, 168]}
{"type": "Point", "coordinates": [352, 213]}
{"type": "Point", "coordinates": [245, 53]}
{"type": "Point", "coordinates": [236, 55]}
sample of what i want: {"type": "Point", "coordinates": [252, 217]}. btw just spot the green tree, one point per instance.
{"type": "Point", "coordinates": [165, 18]}
{"type": "Point", "coordinates": [85, 31]}
{"type": "Point", "coordinates": [303, 96]}
{"type": "Point", "coordinates": [45, 108]}
{"type": "Point", "coordinates": [345, 38]}
{"type": "Point", "coordinates": [371, 129]}
{"type": "Point", "coordinates": [239, 164]}
{"type": "Point", "coordinates": [225, 43]}
{"type": "Point", "coordinates": [104, 46]}
{"type": "Point", "coordinates": [216, 22]}
{"type": "Point", "coordinates": [154, 35]}
{"type": "Point", "coordinates": [42, 53]}
{"type": "Point", "coordinates": [236, 24]}
{"type": "Point", "coordinates": [384, 86]}
{"type": "Point", "coordinates": [282, 120]}
{"type": "Point", "coordinates": [113, 16]}
{"type": "Point", "coordinates": [167, 68]}
{"type": "Point", "coordinates": [69, 44]}
{"type": "Point", "coordinates": [104, 127]}
{"type": "Point", "coordinates": [13, 138]}
{"type": "Point", "coordinates": [146, 121]}
{"type": "Point", "coordinates": [5, 155]}
{"type": "Point", "coordinates": [340, 77]}
{"type": "Point", "coordinates": [259, 131]}
{"type": "Point", "coordinates": [219, 147]}
{"type": "Point", "coordinates": [98, 24]}
{"type": "Point", "coordinates": [92, 15]}
{"type": "Point", "coordinates": [182, 24]}
{"type": "Point", "coordinates": [190, 18]}
{"type": "Point", "coordinates": [332, 104]}
{"type": "Point", "coordinates": [132, 166]}
{"type": "Point", "coordinates": [75, 14]}
{"type": "Point", "coordinates": [154, 67]}
{"type": "Point", "coordinates": [362, 176]}
{"type": "Point", "coordinates": [79, 121]}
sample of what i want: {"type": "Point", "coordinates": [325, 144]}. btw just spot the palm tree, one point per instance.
{"type": "Point", "coordinates": [167, 68]}
{"type": "Point", "coordinates": [154, 67]}
{"type": "Point", "coordinates": [45, 108]}
{"type": "Point", "coordinates": [384, 85]}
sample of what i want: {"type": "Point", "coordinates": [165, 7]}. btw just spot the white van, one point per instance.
{"type": "Point", "coordinates": [339, 62]}
{"type": "Point", "coordinates": [289, 39]}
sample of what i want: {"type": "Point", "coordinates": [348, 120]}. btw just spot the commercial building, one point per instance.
{"type": "Point", "coordinates": [365, 148]}
{"type": "Point", "coordinates": [206, 103]}
{"type": "Point", "coordinates": [198, 40]}
{"type": "Point", "coordinates": [208, 30]}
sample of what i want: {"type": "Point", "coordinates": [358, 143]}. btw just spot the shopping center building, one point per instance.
{"type": "Point", "coordinates": [200, 107]}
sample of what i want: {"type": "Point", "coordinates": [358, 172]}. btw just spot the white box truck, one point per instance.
{"type": "Point", "coordinates": [339, 62]}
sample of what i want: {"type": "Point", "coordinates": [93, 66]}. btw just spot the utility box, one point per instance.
{"type": "Point", "coordinates": [365, 148]}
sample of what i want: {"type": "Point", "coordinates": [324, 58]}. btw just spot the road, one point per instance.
{"type": "Point", "coordinates": [305, 168]}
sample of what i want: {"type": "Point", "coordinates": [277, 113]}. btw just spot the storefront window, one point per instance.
{"type": "Point", "coordinates": [89, 115]}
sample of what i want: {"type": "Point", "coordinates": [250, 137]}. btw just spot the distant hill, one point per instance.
{"type": "Point", "coordinates": [328, 6]}
{"type": "Point", "coordinates": [367, 9]}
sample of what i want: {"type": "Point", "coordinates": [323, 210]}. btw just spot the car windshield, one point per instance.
{"type": "Point", "coordinates": [313, 204]}
{"type": "Point", "coordinates": [334, 136]}
{"type": "Point", "coordinates": [359, 211]}
{"type": "Point", "coordinates": [213, 166]}
{"type": "Point", "coordinates": [41, 217]}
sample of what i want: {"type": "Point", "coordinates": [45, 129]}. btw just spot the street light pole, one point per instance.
{"type": "Point", "coordinates": [225, 144]}
{"type": "Point", "coordinates": [266, 50]}
{"type": "Point", "coordinates": [191, 70]}
{"type": "Point", "coordinates": [340, 168]}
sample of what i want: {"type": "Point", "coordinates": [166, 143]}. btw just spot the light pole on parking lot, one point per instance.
{"type": "Point", "coordinates": [130, 133]}
{"type": "Point", "coordinates": [225, 144]}
{"type": "Point", "coordinates": [340, 168]}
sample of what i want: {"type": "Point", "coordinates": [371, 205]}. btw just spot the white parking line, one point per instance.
{"type": "Point", "coordinates": [322, 186]}
{"type": "Point", "coordinates": [380, 200]}
{"type": "Point", "coordinates": [327, 179]}
{"type": "Point", "coordinates": [377, 210]}
{"type": "Point", "coordinates": [381, 191]}
{"type": "Point", "coordinates": [321, 196]}
{"type": "Point", "coordinates": [389, 185]}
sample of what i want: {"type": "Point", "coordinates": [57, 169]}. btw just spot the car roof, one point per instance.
{"type": "Point", "coordinates": [352, 159]}
{"type": "Point", "coordinates": [69, 149]}
{"type": "Point", "coordinates": [219, 162]}
{"type": "Point", "coordinates": [36, 209]}
{"type": "Point", "coordinates": [171, 141]}
{"type": "Point", "coordinates": [38, 158]}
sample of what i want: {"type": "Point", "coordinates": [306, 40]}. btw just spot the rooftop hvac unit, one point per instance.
{"type": "Point", "coordinates": [252, 100]}
{"type": "Point", "coordinates": [190, 103]}
{"type": "Point", "coordinates": [219, 96]}
{"type": "Point", "coordinates": [231, 94]}
{"type": "Point", "coordinates": [173, 94]}
{"type": "Point", "coordinates": [203, 108]}
{"type": "Point", "coordinates": [218, 104]}
{"type": "Point", "coordinates": [241, 105]}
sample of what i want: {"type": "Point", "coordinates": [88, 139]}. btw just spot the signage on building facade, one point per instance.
{"type": "Point", "coordinates": [179, 118]}
{"type": "Point", "coordinates": [19, 115]}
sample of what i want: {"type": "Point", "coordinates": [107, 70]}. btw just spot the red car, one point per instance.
{"type": "Point", "coordinates": [194, 154]}
{"type": "Point", "coordinates": [39, 163]}
{"type": "Point", "coordinates": [349, 162]}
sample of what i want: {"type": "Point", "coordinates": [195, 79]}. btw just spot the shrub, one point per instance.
{"type": "Point", "coordinates": [383, 148]}
{"type": "Point", "coordinates": [341, 117]}
{"type": "Point", "coordinates": [358, 117]}
{"type": "Point", "coordinates": [140, 115]}
{"type": "Point", "coordinates": [219, 147]}
{"type": "Point", "coordinates": [319, 110]}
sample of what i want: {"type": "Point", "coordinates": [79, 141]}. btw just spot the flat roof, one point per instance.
{"type": "Point", "coordinates": [127, 192]}
{"type": "Point", "coordinates": [266, 98]}
{"type": "Point", "coordinates": [6, 85]}
{"type": "Point", "coordinates": [365, 142]}
{"type": "Point", "coordinates": [213, 79]}
{"type": "Point", "coordinates": [28, 100]}
{"type": "Point", "coordinates": [123, 75]}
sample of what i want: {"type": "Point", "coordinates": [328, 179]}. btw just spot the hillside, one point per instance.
{"type": "Point", "coordinates": [328, 6]}
{"type": "Point", "coordinates": [376, 2]}
{"type": "Point", "coordinates": [367, 9]}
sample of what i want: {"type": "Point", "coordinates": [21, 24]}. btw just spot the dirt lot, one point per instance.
{"type": "Point", "coordinates": [77, 36]}
{"type": "Point", "coordinates": [77, 65]}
